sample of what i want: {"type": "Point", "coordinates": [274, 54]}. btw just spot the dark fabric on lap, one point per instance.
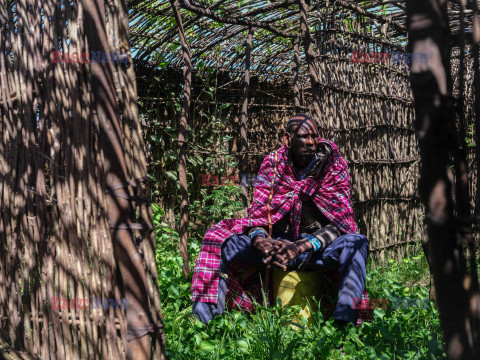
{"type": "Point", "coordinates": [348, 254]}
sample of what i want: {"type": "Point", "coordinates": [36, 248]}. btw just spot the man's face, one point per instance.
{"type": "Point", "coordinates": [304, 140]}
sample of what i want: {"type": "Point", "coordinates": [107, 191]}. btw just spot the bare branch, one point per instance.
{"type": "Point", "coordinates": [237, 21]}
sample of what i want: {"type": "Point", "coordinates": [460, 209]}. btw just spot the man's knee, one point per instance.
{"type": "Point", "coordinates": [358, 241]}
{"type": "Point", "coordinates": [352, 244]}
{"type": "Point", "coordinates": [238, 248]}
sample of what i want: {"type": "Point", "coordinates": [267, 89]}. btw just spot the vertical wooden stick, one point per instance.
{"type": "Point", "coordinates": [244, 116]}
{"type": "Point", "coordinates": [310, 57]}
{"type": "Point", "coordinates": [296, 73]}
{"type": "Point", "coordinates": [474, 297]}
{"type": "Point", "coordinates": [462, 202]}
{"type": "Point", "coordinates": [182, 154]}
{"type": "Point", "coordinates": [118, 206]}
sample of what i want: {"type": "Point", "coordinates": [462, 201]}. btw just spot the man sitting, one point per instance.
{"type": "Point", "coordinates": [303, 193]}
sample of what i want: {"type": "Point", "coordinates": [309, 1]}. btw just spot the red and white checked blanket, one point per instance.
{"type": "Point", "coordinates": [330, 190]}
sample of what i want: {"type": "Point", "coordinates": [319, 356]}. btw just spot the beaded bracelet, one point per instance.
{"type": "Point", "coordinates": [317, 245]}
{"type": "Point", "coordinates": [256, 233]}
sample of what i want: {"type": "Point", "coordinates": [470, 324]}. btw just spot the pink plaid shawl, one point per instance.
{"type": "Point", "coordinates": [330, 190]}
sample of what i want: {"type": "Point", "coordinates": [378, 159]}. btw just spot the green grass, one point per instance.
{"type": "Point", "coordinates": [412, 333]}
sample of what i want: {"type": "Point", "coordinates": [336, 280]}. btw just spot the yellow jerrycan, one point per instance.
{"type": "Point", "coordinates": [299, 288]}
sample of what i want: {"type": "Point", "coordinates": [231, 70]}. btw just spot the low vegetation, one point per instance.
{"type": "Point", "coordinates": [404, 332]}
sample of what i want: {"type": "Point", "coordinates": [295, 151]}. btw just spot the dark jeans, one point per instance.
{"type": "Point", "coordinates": [348, 254]}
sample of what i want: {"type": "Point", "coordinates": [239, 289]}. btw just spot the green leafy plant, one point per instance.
{"type": "Point", "coordinates": [274, 332]}
{"type": "Point", "coordinates": [223, 202]}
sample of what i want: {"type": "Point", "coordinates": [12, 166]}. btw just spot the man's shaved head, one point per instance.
{"type": "Point", "coordinates": [301, 137]}
{"type": "Point", "coordinates": [299, 120]}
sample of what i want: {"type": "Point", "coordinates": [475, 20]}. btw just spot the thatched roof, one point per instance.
{"type": "Point", "coordinates": [216, 30]}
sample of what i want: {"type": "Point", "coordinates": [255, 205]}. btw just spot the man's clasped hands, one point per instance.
{"type": "Point", "coordinates": [278, 252]}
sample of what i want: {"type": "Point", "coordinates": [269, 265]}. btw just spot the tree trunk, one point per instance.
{"type": "Point", "coordinates": [431, 85]}
{"type": "Point", "coordinates": [182, 153]}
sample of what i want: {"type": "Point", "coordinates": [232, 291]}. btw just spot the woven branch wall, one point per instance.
{"type": "Point", "coordinates": [374, 133]}
{"type": "Point", "coordinates": [468, 114]}
{"type": "Point", "coordinates": [56, 245]}
{"type": "Point", "coordinates": [366, 109]}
